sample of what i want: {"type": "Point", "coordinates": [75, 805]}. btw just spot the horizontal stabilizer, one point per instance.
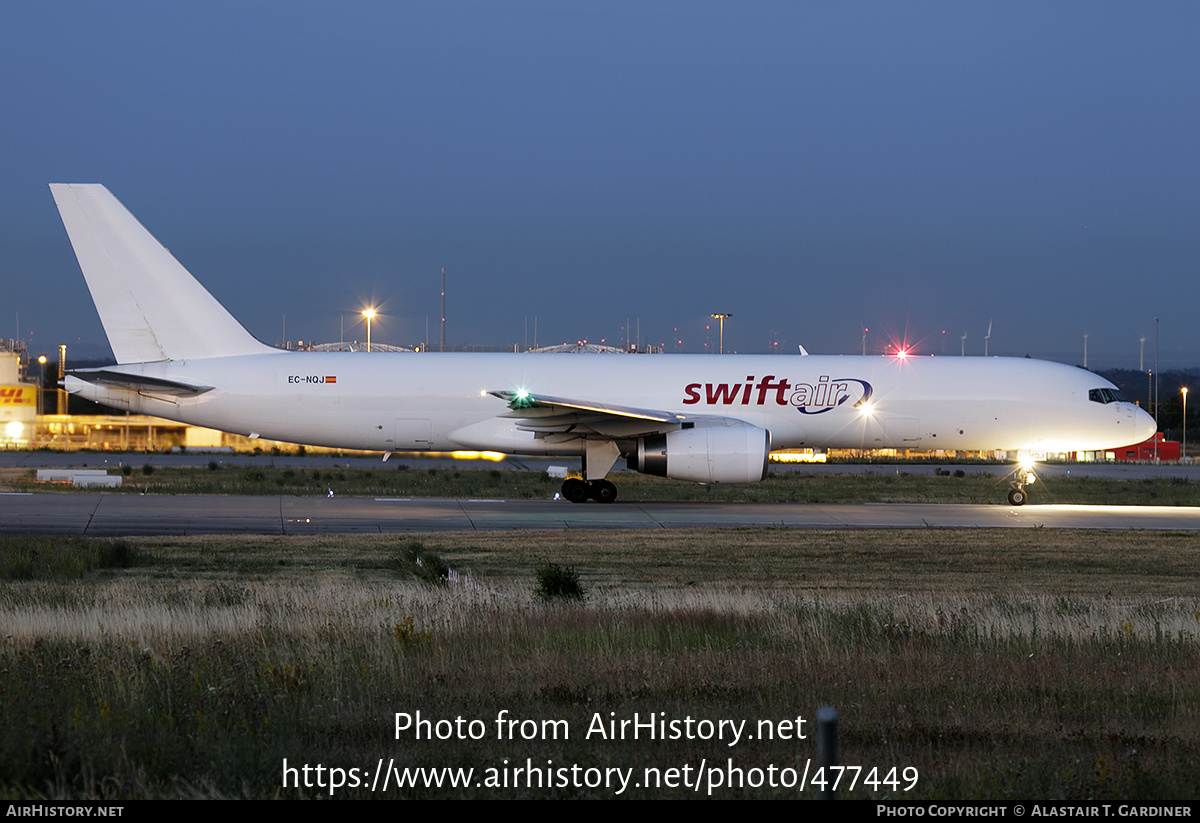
{"type": "Point", "coordinates": [151, 306]}
{"type": "Point", "coordinates": [138, 382]}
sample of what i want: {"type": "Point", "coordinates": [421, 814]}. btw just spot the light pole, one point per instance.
{"type": "Point", "coordinates": [41, 383]}
{"type": "Point", "coordinates": [369, 314]}
{"type": "Point", "coordinates": [1156, 387]}
{"type": "Point", "coordinates": [721, 319]}
{"type": "Point", "coordinates": [62, 372]}
{"type": "Point", "coordinates": [1184, 392]}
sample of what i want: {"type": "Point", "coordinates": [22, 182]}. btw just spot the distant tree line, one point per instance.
{"type": "Point", "coordinates": [1138, 386]}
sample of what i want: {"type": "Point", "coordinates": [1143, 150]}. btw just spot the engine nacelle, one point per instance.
{"type": "Point", "coordinates": [708, 454]}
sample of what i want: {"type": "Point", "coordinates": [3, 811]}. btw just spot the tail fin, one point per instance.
{"type": "Point", "coordinates": [151, 307]}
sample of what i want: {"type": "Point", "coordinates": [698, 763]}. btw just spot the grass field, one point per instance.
{"type": "Point", "coordinates": [997, 664]}
{"type": "Point", "coordinates": [782, 487]}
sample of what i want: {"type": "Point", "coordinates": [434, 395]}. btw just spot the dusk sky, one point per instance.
{"type": "Point", "coordinates": [918, 168]}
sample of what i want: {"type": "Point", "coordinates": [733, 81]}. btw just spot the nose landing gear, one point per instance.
{"type": "Point", "coordinates": [1022, 477]}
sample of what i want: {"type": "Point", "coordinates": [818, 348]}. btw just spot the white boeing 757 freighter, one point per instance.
{"type": "Point", "coordinates": [705, 418]}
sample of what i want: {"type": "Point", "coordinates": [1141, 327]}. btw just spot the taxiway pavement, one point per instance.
{"type": "Point", "coordinates": [123, 514]}
{"type": "Point", "coordinates": [114, 460]}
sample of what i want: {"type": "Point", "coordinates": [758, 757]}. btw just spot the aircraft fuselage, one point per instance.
{"type": "Point", "coordinates": [398, 401]}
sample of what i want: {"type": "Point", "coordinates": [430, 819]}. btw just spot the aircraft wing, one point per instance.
{"type": "Point", "coordinates": [138, 382]}
{"type": "Point", "coordinates": [560, 415]}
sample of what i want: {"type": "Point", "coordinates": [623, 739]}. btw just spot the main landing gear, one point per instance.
{"type": "Point", "coordinates": [580, 491]}
{"type": "Point", "coordinates": [600, 455]}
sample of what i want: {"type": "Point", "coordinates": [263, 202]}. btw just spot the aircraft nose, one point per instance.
{"type": "Point", "coordinates": [1143, 425]}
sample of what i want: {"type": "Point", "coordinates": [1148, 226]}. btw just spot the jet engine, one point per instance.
{"type": "Point", "coordinates": [708, 454]}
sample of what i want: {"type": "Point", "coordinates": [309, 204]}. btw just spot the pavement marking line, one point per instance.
{"type": "Point", "coordinates": [92, 514]}
{"type": "Point", "coordinates": [649, 517]}
{"type": "Point", "coordinates": [463, 509]}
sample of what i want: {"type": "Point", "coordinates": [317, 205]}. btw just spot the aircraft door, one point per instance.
{"type": "Point", "coordinates": [903, 432]}
{"type": "Point", "coordinates": [412, 434]}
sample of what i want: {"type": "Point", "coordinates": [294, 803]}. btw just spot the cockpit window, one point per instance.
{"type": "Point", "coordinates": [1106, 396]}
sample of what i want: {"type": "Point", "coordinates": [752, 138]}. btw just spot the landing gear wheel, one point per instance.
{"type": "Point", "coordinates": [603, 491]}
{"type": "Point", "coordinates": [575, 490]}
{"type": "Point", "coordinates": [1017, 497]}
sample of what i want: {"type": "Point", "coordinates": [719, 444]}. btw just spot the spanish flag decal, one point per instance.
{"type": "Point", "coordinates": [331, 379]}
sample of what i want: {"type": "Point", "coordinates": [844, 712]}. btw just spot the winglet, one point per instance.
{"type": "Point", "coordinates": [151, 306]}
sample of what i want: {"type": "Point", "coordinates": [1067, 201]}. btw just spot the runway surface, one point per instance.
{"type": "Point", "coordinates": [112, 460]}
{"type": "Point", "coordinates": [123, 514]}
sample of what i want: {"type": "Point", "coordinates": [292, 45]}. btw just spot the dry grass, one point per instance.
{"type": "Point", "coordinates": [1001, 664]}
{"type": "Point", "coordinates": [1050, 561]}
{"type": "Point", "coordinates": [782, 487]}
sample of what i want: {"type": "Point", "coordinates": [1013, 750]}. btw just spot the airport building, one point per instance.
{"type": "Point", "coordinates": [1156, 448]}
{"type": "Point", "coordinates": [18, 398]}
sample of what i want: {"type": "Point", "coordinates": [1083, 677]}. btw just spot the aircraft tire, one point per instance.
{"type": "Point", "coordinates": [575, 490]}
{"type": "Point", "coordinates": [1017, 497]}
{"type": "Point", "coordinates": [603, 491]}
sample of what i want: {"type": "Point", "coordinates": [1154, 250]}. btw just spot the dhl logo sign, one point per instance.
{"type": "Point", "coordinates": [18, 396]}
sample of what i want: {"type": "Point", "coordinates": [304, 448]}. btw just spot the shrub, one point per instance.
{"type": "Point", "coordinates": [120, 555]}
{"type": "Point", "coordinates": [408, 636]}
{"type": "Point", "coordinates": [555, 582]}
{"type": "Point", "coordinates": [56, 558]}
{"type": "Point", "coordinates": [421, 563]}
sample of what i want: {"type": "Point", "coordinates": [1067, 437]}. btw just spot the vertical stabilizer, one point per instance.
{"type": "Point", "coordinates": [151, 307]}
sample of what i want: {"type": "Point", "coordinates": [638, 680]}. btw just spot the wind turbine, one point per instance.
{"type": "Point", "coordinates": [964, 343]}
{"type": "Point", "coordinates": [986, 338]}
